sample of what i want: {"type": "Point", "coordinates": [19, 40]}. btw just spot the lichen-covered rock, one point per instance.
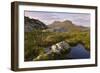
{"type": "Point", "coordinates": [57, 48]}
{"type": "Point", "coordinates": [56, 51]}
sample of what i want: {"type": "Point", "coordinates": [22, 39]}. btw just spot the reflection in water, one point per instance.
{"type": "Point", "coordinates": [78, 52]}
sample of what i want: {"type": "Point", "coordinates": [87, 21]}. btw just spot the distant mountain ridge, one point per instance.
{"type": "Point", "coordinates": [56, 26]}
{"type": "Point", "coordinates": [66, 26]}
{"type": "Point", "coordinates": [31, 24]}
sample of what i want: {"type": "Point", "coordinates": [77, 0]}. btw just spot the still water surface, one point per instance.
{"type": "Point", "coordinates": [78, 52]}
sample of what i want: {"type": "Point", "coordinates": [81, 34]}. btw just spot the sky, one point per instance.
{"type": "Point", "coordinates": [81, 19]}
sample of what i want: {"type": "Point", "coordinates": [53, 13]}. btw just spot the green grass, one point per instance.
{"type": "Point", "coordinates": [36, 41]}
{"type": "Point", "coordinates": [52, 56]}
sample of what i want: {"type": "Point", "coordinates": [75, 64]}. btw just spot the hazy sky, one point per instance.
{"type": "Point", "coordinates": [82, 19]}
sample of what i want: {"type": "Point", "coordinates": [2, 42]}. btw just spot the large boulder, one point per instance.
{"type": "Point", "coordinates": [56, 51]}
{"type": "Point", "coordinates": [58, 47]}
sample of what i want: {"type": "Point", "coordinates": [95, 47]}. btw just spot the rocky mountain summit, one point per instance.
{"type": "Point", "coordinates": [65, 26]}
{"type": "Point", "coordinates": [32, 24]}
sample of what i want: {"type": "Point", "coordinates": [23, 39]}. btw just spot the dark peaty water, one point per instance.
{"type": "Point", "coordinates": [78, 52]}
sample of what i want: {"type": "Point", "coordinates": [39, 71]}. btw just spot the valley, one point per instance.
{"type": "Point", "coordinates": [54, 41]}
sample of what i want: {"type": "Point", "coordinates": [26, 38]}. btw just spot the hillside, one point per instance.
{"type": "Point", "coordinates": [31, 24]}
{"type": "Point", "coordinates": [66, 26]}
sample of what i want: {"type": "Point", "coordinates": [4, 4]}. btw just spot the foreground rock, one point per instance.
{"type": "Point", "coordinates": [56, 51]}
{"type": "Point", "coordinates": [57, 48]}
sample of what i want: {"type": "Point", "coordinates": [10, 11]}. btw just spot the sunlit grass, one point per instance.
{"type": "Point", "coordinates": [36, 41]}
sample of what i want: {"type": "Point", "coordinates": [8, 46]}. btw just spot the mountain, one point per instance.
{"type": "Point", "coordinates": [31, 24]}
{"type": "Point", "coordinates": [56, 26]}
{"type": "Point", "coordinates": [66, 26]}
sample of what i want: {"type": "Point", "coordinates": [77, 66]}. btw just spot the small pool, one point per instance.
{"type": "Point", "coordinates": [78, 52]}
